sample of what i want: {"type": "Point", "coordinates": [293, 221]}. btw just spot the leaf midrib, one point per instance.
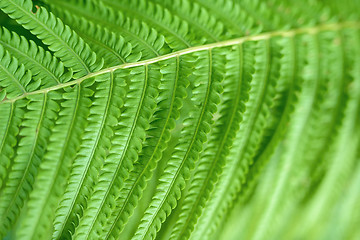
{"type": "Point", "coordinates": [236, 41]}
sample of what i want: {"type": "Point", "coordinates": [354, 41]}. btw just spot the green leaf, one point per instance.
{"type": "Point", "coordinates": [204, 119]}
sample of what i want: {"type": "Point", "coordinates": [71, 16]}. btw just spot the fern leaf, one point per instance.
{"type": "Point", "coordinates": [15, 80]}
{"type": "Point", "coordinates": [257, 109]}
{"type": "Point", "coordinates": [160, 134]}
{"type": "Point", "coordinates": [235, 93]}
{"type": "Point", "coordinates": [129, 147]}
{"type": "Point", "coordinates": [236, 18]}
{"type": "Point", "coordinates": [11, 118]}
{"type": "Point", "coordinates": [187, 152]}
{"type": "Point", "coordinates": [179, 119]}
{"type": "Point", "coordinates": [46, 194]}
{"type": "Point", "coordinates": [86, 163]}
{"type": "Point", "coordinates": [42, 64]}
{"type": "Point", "coordinates": [310, 117]}
{"type": "Point", "coordinates": [65, 43]}
{"type": "Point", "coordinates": [175, 31]}
{"type": "Point", "coordinates": [41, 113]}
{"type": "Point", "coordinates": [143, 38]}
{"type": "Point", "coordinates": [199, 18]}
{"type": "Point", "coordinates": [108, 45]}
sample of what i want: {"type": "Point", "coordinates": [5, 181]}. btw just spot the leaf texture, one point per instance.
{"type": "Point", "coordinates": [179, 119]}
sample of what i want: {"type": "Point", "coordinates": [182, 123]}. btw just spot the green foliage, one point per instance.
{"type": "Point", "coordinates": [179, 119]}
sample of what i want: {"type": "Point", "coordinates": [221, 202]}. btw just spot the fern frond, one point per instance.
{"type": "Point", "coordinates": [41, 112]}
{"type": "Point", "coordinates": [172, 92]}
{"type": "Point", "coordinates": [213, 157]}
{"type": "Point", "coordinates": [143, 38]}
{"type": "Point", "coordinates": [101, 121]}
{"type": "Point", "coordinates": [46, 194]}
{"type": "Point", "coordinates": [119, 121]}
{"type": "Point", "coordinates": [253, 125]}
{"type": "Point", "coordinates": [14, 79]}
{"type": "Point", "coordinates": [237, 19]}
{"type": "Point", "coordinates": [340, 168]}
{"type": "Point", "coordinates": [307, 114]}
{"type": "Point", "coordinates": [198, 18]}
{"type": "Point", "coordinates": [107, 45]}
{"type": "Point", "coordinates": [44, 67]}
{"type": "Point", "coordinates": [175, 31]}
{"type": "Point", "coordinates": [65, 43]}
{"type": "Point", "coordinates": [186, 153]}
{"type": "Point", "coordinates": [110, 182]}
{"type": "Point", "coordinates": [11, 118]}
